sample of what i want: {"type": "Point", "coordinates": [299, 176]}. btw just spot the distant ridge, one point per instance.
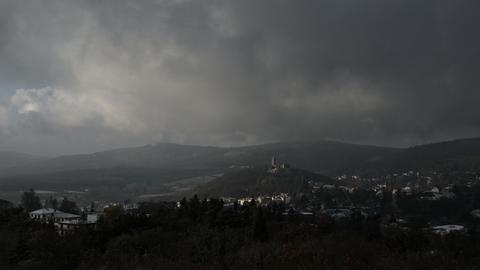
{"type": "Point", "coordinates": [10, 159]}
{"type": "Point", "coordinates": [325, 157]}
{"type": "Point", "coordinates": [463, 154]}
{"type": "Point", "coordinates": [316, 156]}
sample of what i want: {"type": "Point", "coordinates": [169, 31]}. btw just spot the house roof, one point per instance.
{"type": "Point", "coordinates": [446, 229]}
{"type": "Point", "coordinates": [74, 222]}
{"type": "Point", "coordinates": [60, 214]}
{"type": "Point", "coordinates": [56, 213]}
{"type": "Point", "coordinates": [43, 211]}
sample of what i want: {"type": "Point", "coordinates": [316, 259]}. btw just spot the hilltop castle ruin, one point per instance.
{"type": "Point", "coordinates": [275, 167]}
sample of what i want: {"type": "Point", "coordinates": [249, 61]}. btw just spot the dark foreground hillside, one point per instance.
{"type": "Point", "coordinates": [206, 235]}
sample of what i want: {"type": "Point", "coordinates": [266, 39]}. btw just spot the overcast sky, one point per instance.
{"type": "Point", "coordinates": [88, 75]}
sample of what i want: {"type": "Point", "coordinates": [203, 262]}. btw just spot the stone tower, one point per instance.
{"type": "Point", "coordinates": [274, 162]}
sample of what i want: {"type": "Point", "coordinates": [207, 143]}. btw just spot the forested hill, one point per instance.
{"type": "Point", "coordinates": [250, 182]}
{"type": "Point", "coordinates": [451, 155]}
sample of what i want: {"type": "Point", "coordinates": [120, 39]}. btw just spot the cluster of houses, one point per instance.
{"type": "Point", "coordinates": [444, 230]}
{"type": "Point", "coordinates": [263, 200]}
{"type": "Point", "coordinates": [65, 222]}
{"type": "Point", "coordinates": [426, 191]}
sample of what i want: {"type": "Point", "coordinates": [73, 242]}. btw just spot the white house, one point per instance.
{"type": "Point", "coordinates": [447, 229]}
{"type": "Point", "coordinates": [42, 214]}
{"type": "Point", "coordinates": [50, 214]}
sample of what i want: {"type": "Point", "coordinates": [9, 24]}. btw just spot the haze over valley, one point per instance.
{"type": "Point", "coordinates": [168, 171]}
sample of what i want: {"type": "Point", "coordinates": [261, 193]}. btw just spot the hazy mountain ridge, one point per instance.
{"type": "Point", "coordinates": [13, 159]}
{"type": "Point", "coordinates": [326, 157]}
{"type": "Point", "coordinates": [103, 177]}
{"type": "Point", "coordinates": [323, 156]}
{"type": "Point", "coordinates": [463, 154]}
{"type": "Point", "coordinates": [157, 156]}
{"type": "Point", "coordinates": [153, 166]}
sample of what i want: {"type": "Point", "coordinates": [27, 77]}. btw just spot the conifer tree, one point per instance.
{"type": "Point", "coordinates": [30, 201]}
{"type": "Point", "coordinates": [260, 227]}
{"type": "Point", "coordinates": [69, 206]}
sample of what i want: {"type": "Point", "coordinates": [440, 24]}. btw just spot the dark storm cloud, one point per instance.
{"type": "Point", "coordinates": [99, 74]}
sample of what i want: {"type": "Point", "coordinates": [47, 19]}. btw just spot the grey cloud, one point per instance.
{"type": "Point", "coordinates": [238, 72]}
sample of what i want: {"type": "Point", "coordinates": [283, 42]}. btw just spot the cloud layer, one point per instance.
{"type": "Point", "coordinates": [80, 76]}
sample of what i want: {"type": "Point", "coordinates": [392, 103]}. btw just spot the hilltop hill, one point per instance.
{"type": "Point", "coordinates": [250, 182]}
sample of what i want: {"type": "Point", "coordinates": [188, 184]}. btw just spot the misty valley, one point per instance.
{"type": "Point", "coordinates": [309, 203]}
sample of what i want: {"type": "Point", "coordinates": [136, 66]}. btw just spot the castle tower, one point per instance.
{"type": "Point", "coordinates": [274, 161]}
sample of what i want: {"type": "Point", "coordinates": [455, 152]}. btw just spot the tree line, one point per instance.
{"type": "Point", "coordinates": [205, 234]}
